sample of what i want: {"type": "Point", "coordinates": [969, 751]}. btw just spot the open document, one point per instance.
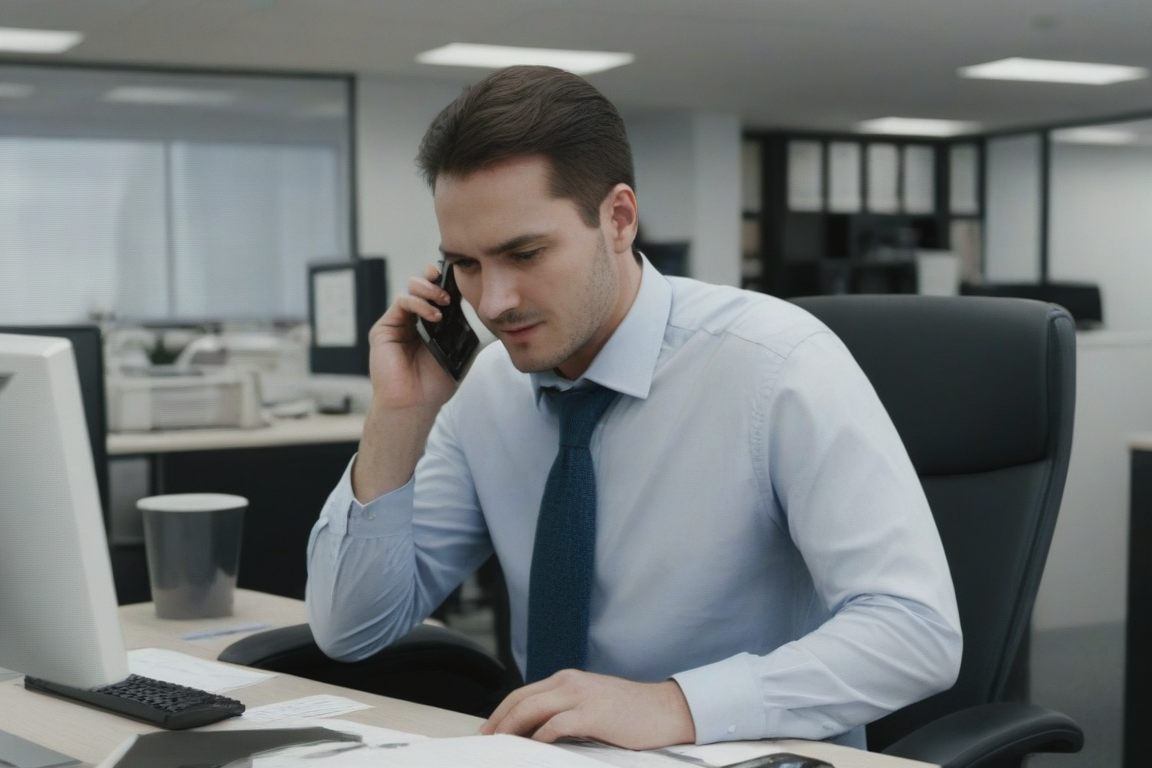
{"type": "Point", "coordinates": [332, 743]}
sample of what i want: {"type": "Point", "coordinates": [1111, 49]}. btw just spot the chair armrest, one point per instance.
{"type": "Point", "coordinates": [271, 647]}
{"type": "Point", "coordinates": [275, 647]}
{"type": "Point", "coordinates": [430, 665]}
{"type": "Point", "coordinates": [990, 735]}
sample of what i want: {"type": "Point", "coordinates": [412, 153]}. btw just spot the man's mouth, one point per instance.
{"type": "Point", "coordinates": [519, 332]}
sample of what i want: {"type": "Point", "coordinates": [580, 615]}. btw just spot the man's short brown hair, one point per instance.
{"type": "Point", "coordinates": [521, 111]}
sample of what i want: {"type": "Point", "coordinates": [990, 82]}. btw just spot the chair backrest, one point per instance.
{"type": "Point", "coordinates": [982, 391]}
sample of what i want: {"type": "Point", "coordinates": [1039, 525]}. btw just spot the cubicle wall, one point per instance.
{"type": "Point", "coordinates": [1084, 582]}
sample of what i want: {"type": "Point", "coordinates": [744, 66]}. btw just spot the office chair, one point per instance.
{"type": "Point", "coordinates": [982, 393]}
{"type": "Point", "coordinates": [1082, 300]}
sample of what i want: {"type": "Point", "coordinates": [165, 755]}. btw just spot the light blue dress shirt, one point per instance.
{"type": "Point", "coordinates": [761, 536]}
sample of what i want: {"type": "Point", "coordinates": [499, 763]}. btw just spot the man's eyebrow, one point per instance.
{"type": "Point", "coordinates": [512, 244]}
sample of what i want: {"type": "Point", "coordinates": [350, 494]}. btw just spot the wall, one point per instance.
{"type": "Point", "coordinates": [1101, 228]}
{"type": "Point", "coordinates": [1012, 209]}
{"type": "Point", "coordinates": [688, 183]}
{"type": "Point", "coordinates": [1101, 231]}
{"type": "Point", "coordinates": [1084, 580]}
{"type": "Point", "coordinates": [687, 167]}
{"type": "Point", "coordinates": [716, 154]}
{"type": "Point", "coordinates": [396, 218]}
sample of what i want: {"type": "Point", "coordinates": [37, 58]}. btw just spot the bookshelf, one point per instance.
{"type": "Point", "coordinates": [835, 213]}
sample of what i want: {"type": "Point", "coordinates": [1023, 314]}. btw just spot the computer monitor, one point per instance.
{"type": "Point", "coordinates": [58, 616]}
{"type": "Point", "coordinates": [88, 348]}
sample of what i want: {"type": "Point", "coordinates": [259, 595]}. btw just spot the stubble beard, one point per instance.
{"type": "Point", "coordinates": [595, 308]}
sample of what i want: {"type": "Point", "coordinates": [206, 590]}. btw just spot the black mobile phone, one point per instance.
{"type": "Point", "coordinates": [451, 340]}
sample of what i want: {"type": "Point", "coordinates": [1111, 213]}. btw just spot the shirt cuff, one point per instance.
{"type": "Point", "coordinates": [724, 700]}
{"type": "Point", "coordinates": [387, 515]}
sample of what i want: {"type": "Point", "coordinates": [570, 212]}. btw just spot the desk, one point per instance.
{"type": "Point", "coordinates": [91, 735]}
{"type": "Point", "coordinates": [285, 470]}
{"type": "Point", "coordinates": [306, 431]}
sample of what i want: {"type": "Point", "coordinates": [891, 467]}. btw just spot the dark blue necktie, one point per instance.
{"type": "Point", "coordinates": [560, 586]}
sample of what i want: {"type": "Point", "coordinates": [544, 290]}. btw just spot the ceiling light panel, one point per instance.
{"type": "Point", "coordinates": [37, 40]}
{"type": "Point", "coordinates": [1048, 71]}
{"type": "Point", "coordinates": [1128, 133]}
{"type": "Point", "coordinates": [1094, 136]}
{"type": "Point", "coordinates": [917, 126]}
{"type": "Point", "coordinates": [170, 97]}
{"type": "Point", "coordinates": [497, 56]}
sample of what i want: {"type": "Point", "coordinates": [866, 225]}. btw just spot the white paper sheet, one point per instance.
{"type": "Point", "coordinates": [726, 752]}
{"type": "Point", "coordinates": [626, 758]}
{"type": "Point", "coordinates": [465, 752]}
{"type": "Point", "coordinates": [183, 669]}
{"type": "Point", "coordinates": [373, 735]}
{"type": "Point", "coordinates": [334, 302]}
{"type": "Point", "coordinates": [310, 706]}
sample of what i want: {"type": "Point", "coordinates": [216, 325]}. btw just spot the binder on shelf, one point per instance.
{"type": "Point", "coordinates": [918, 173]}
{"type": "Point", "coordinates": [805, 176]}
{"type": "Point", "coordinates": [844, 177]}
{"type": "Point", "coordinates": [964, 180]}
{"type": "Point", "coordinates": [883, 178]}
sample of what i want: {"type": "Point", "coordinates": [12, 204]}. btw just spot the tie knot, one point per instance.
{"type": "Point", "coordinates": [580, 410]}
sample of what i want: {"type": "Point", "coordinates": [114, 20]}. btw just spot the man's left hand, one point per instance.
{"type": "Point", "coordinates": [585, 705]}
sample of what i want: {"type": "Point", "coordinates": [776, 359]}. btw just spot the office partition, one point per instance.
{"type": "Point", "coordinates": [168, 195]}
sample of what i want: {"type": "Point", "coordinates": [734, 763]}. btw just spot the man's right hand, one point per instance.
{"type": "Point", "coordinates": [408, 389]}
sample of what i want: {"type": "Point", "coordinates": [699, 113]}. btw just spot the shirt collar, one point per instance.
{"type": "Point", "coordinates": [627, 361]}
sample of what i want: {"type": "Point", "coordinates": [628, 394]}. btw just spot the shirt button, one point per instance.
{"type": "Point", "coordinates": [731, 729]}
{"type": "Point", "coordinates": [371, 517]}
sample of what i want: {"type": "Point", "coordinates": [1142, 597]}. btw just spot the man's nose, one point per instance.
{"type": "Point", "coordinates": [499, 293]}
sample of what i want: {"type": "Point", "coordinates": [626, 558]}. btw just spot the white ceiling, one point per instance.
{"type": "Point", "coordinates": [779, 63]}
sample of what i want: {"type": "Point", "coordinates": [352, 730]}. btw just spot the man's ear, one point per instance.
{"type": "Point", "coordinates": [621, 218]}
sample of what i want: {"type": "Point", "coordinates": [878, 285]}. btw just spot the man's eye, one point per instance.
{"type": "Point", "coordinates": [464, 265]}
{"type": "Point", "coordinates": [526, 255]}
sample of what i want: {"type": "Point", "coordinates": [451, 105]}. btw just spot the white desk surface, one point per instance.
{"type": "Point", "coordinates": [90, 735]}
{"type": "Point", "coordinates": [345, 428]}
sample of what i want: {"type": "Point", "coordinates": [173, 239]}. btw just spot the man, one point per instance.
{"type": "Point", "coordinates": [731, 544]}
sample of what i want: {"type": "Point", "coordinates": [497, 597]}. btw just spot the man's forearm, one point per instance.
{"type": "Point", "coordinates": [392, 443]}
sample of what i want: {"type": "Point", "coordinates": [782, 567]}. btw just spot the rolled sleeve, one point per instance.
{"type": "Point", "coordinates": [388, 515]}
{"type": "Point", "coordinates": [376, 570]}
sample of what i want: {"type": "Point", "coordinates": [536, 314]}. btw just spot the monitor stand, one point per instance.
{"type": "Point", "coordinates": [22, 753]}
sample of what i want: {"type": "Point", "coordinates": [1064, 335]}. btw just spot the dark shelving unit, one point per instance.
{"type": "Point", "coordinates": [791, 252]}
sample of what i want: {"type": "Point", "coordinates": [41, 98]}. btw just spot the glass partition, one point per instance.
{"type": "Point", "coordinates": [156, 196]}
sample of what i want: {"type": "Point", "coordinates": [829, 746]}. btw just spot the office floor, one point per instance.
{"type": "Point", "coordinates": [1080, 672]}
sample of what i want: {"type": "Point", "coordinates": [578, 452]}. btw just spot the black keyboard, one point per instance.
{"type": "Point", "coordinates": [155, 702]}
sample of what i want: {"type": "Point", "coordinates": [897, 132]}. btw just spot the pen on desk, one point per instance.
{"type": "Point", "coordinates": [236, 629]}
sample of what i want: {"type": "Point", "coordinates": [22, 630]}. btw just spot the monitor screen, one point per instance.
{"type": "Point", "coordinates": [58, 616]}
